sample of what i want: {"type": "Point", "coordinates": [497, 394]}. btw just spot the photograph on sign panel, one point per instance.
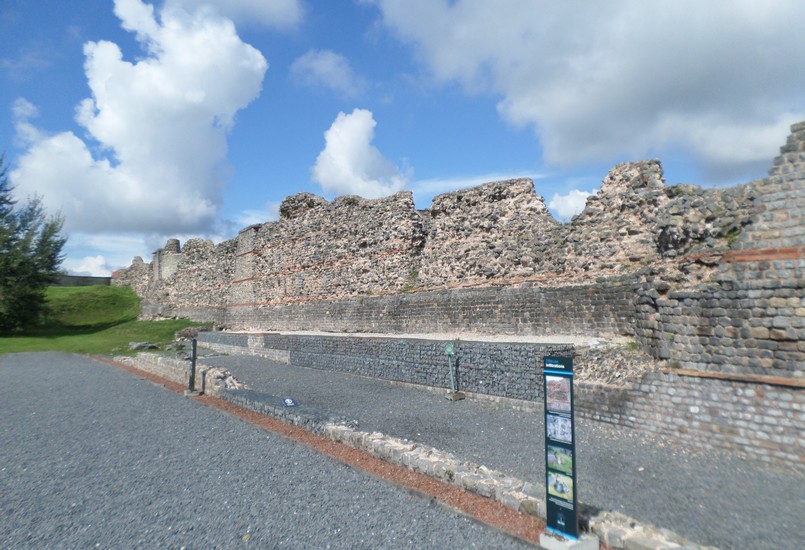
{"type": "Point", "coordinates": [557, 392]}
{"type": "Point", "coordinates": [559, 428]}
{"type": "Point", "coordinates": [560, 485]}
{"type": "Point", "coordinates": [560, 459]}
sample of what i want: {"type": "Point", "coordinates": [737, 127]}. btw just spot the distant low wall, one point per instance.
{"type": "Point", "coordinates": [81, 280]}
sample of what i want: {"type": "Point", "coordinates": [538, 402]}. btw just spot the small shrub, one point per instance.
{"type": "Point", "coordinates": [732, 236]}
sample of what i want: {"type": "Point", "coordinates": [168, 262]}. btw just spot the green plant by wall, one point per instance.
{"type": "Point", "coordinates": [732, 236]}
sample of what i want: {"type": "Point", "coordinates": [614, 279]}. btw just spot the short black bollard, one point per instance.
{"type": "Point", "coordinates": [191, 379]}
{"type": "Point", "coordinates": [454, 395]}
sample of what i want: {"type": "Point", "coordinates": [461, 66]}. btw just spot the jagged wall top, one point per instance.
{"type": "Point", "coordinates": [493, 231]}
{"type": "Point", "coordinates": [792, 154]}
{"type": "Point", "coordinates": [499, 232]}
{"type": "Point", "coordinates": [496, 233]}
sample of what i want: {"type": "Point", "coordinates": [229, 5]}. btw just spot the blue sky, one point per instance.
{"type": "Point", "coordinates": [139, 121]}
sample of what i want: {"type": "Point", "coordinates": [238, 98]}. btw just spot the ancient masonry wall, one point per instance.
{"type": "Point", "coordinates": [504, 309]}
{"type": "Point", "coordinates": [710, 282]}
{"type": "Point", "coordinates": [749, 317]}
{"type": "Point", "coordinates": [759, 421]}
{"type": "Point", "coordinates": [702, 279]}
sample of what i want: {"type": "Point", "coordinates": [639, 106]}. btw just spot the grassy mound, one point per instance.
{"type": "Point", "coordinates": [93, 319]}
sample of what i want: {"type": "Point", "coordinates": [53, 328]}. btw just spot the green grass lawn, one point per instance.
{"type": "Point", "coordinates": [93, 319]}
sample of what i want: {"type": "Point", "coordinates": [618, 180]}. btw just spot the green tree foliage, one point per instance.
{"type": "Point", "coordinates": [30, 255]}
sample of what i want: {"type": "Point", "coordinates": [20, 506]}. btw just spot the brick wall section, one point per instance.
{"type": "Point", "coordinates": [736, 326]}
{"type": "Point", "coordinates": [603, 308]}
{"type": "Point", "coordinates": [759, 421]}
{"type": "Point", "coordinates": [780, 221]}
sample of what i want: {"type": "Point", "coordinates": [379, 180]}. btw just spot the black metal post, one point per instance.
{"type": "Point", "coordinates": [191, 380]}
{"type": "Point", "coordinates": [454, 395]}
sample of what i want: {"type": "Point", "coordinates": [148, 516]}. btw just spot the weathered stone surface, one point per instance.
{"type": "Point", "coordinates": [495, 233]}
{"type": "Point", "coordinates": [499, 230]}
{"type": "Point", "coordinates": [705, 279]}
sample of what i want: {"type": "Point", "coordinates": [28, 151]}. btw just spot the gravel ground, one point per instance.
{"type": "Point", "coordinates": [92, 455]}
{"type": "Point", "coordinates": [710, 498]}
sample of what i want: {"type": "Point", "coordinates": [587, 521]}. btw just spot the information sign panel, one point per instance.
{"type": "Point", "coordinates": [560, 447]}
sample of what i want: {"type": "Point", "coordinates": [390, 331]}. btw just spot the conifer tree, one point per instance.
{"type": "Point", "coordinates": [30, 254]}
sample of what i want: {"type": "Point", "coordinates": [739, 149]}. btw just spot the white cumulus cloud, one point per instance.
{"type": "Point", "coordinates": [328, 69]}
{"type": "Point", "coordinates": [25, 133]}
{"type": "Point", "coordinates": [101, 253]}
{"type": "Point", "coordinates": [568, 205]}
{"type": "Point", "coordinates": [269, 212]}
{"type": "Point", "coordinates": [350, 164]}
{"type": "Point", "coordinates": [604, 81]}
{"type": "Point", "coordinates": [93, 266]}
{"type": "Point", "coordinates": [271, 13]}
{"type": "Point", "coordinates": [155, 160]}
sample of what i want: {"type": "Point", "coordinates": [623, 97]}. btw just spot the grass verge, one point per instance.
{"type": "Point", "coordinates": [95, 319]}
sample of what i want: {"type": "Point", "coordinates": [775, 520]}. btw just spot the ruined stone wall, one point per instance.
{"type": "Point", "coordinates": [495, 234]}
{"type": "Point", "coordinates": [321, 250]}
{"type": "Point", "coordinates": [202, 276]}
{"type": "Point", "coordinates": [704, 279]}
{"type": "Point", "coordinates": [749, 317]}
{"type": "Point", "coordinates": [137, 276]}
{"type": "Point", "coordinates": [615, 229]}
{"type": "Point", "coordinates": [497, 231]}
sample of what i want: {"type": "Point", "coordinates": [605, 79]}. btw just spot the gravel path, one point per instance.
{"type": "Point", "coordinates": [92, 455]}
{"type": "Point", "coordinates": [709, 498]}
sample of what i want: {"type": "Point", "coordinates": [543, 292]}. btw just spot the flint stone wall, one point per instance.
{"type": "Point", "coordinates": [704, 279]}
